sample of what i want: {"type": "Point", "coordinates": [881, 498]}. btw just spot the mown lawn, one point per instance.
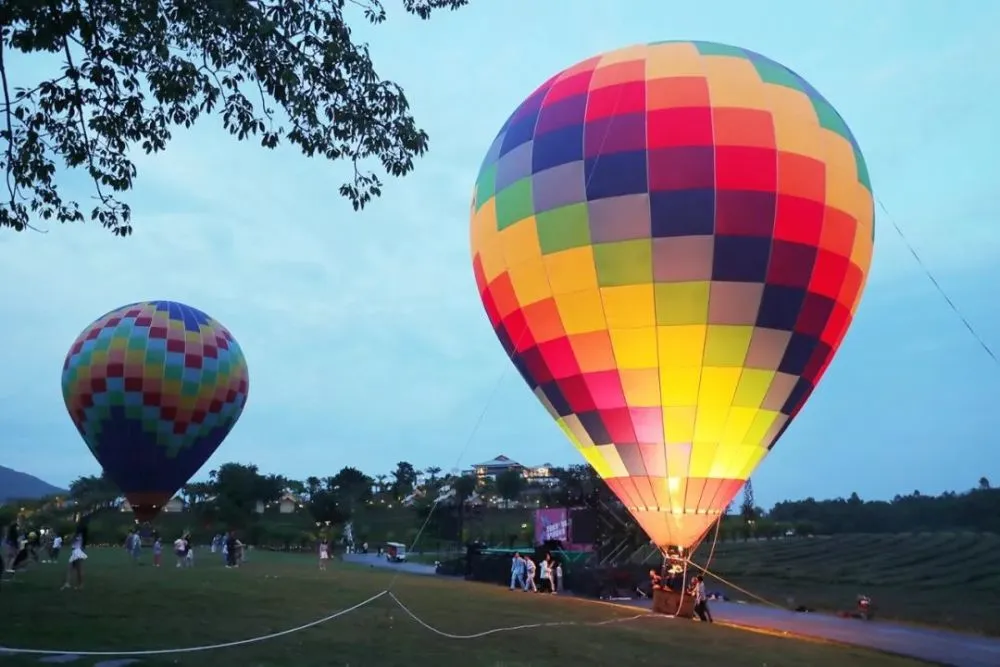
{"type": "Point", "coordinates": [127, 607]}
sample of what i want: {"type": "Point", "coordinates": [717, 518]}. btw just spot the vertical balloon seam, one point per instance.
{"type": "Point", "coordinates": [638, 501]}
{"type": "Point", "coordinates": [701, 374]}
{"type": "Point", "coordinates": [770, 256]}
{"type": "Point", "coordinates": [588, 178]}
{"type": "Point", "coordinates": [684, 478]}
{"type": "Point", "coordinates": [547, 84]}
{"type": "Point", "coordinates": [702, 63]}
{"type": "Point", "coordinates": [665, 518]}
{"type": "Point", "coordinates": [587, 181]}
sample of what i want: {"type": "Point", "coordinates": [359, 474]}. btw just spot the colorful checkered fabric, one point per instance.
{"type": "Point", "coordinates": [154, 388]}
{"type": "Point", "coordinates": [671, 241]}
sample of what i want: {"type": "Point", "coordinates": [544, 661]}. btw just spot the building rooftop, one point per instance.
{"type": "Point", "coordinates": [500, 460]}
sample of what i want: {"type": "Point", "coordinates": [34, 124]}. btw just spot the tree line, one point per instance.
{"type": "Point", "coordinates": [977, 509]}
{"type": "Point", "coordinates": [235, 494]}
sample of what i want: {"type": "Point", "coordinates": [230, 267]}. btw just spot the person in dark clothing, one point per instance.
{"type": "Point", "coordinates": [11, 542]}
{"type": "Point", "coordinates": [21, 558]}
{"type": "Point", "coordinates": [34, 544]}
{"type": "Point", "coordinates": [231, 549]}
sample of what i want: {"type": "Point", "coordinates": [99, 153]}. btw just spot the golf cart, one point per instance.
{"type": "Point", "coordinates": [395, 552]}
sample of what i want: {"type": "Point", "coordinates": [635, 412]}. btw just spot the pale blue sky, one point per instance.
{"type": "Point", "coordinates": [364, 334]}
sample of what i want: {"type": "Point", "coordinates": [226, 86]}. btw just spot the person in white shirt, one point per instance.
{"type": "Point", "coordinates": [324, 554]}
{"type": "Point", "coordinates": [74, 576]}
{"type": "Point", "coordinates": [55, 548]}
{"type": "Point", "coordinates": [701, 599]}
{"type": "Point", "coordinates": [529, 575]}
{"type": "Point", "coordinates": [179, 546]}
{"type": "Point", "coordinates": [551, 571]}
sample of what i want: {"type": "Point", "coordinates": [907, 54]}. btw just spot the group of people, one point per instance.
{"type": "Point", "coordinates": [228, 545]}
{"type": "Point", "coordinates": [524, 570]}
{"type": "Point", "coordinates": [183, 549]}
{"type": "Point", "coordinates": [232, 549]}
{"type": "Point", "coordinates": [42, 546]}
{"type": "Point", "coordinates": [34, 546]}
{"type": "Point", "coordinates": [696, 589]}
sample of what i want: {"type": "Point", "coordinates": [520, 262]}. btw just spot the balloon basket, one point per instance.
{"type": "Point", "coordinates": [673, 603]}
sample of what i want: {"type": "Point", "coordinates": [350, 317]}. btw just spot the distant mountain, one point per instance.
{"type": "Point", "coordinates": [18, 485]}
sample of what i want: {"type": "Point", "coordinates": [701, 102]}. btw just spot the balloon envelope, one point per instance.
{"type": "Point", "coordinates": [154, 388]}
{"type": "Point", "coordinates": [670, 241]}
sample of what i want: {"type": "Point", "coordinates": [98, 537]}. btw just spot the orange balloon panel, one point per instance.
{"type": "Point", "coordinates": [671, 241]}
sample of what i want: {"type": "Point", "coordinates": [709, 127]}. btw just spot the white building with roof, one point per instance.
{"type": "Point", "coordinates": [501, 464]}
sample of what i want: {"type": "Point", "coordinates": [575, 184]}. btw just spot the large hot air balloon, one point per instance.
{"type": "Point", "coordinates": [670, 241]}
{"type": "Point", "coordinates": [154, 388]}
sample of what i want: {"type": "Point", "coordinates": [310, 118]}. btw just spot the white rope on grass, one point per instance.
{"type": "Point", "coordinates": [4, 650]}
{"type": "Point", "coordinates": [514, 628]}
{"type": "Point", "coordinates": [343, 612]}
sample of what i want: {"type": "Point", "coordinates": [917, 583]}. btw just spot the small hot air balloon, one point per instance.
{"type": "Point", "coordinates": [670, 241]}
{"type": "Point", "coordinates": [154, 388]}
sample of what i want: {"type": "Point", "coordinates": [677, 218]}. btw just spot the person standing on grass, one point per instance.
{"type": "Point", "coordinates": [55, 548]}
{"type": "Point", "coordinates": [550, 569]}
{"type": "Point", "coordinates": [188, 551]}
{"type": "Point", "coordinates": [516, 571]}
{"type": "Point", "coordinates": [133, 543]}
{"type": "Point", "coordinates": [74, 575]}
{"type": "Point", "coordinates": [157, 551]}
{"type": "Point", "coordinates": [231, 549]}
{"type": "Point", "coordinates": [179, 549]}
{"type": "Point", "coordinates": [34, 544]}
{"type": "Point", "coordinates": [529, 575]}
{"type": "Point", "coordinates": [12, 544]}
{"type": "Point", "coordinates": [543, 574]}
{"type": "Point", "coordinates": [701, 599]}
{"type": "Point", "coordinates": [324, 553]}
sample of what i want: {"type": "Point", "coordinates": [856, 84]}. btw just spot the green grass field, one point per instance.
{"type": "Point", "coordinates": [127, 607]}
{"type": "Point", "coordinates": [946, 579]}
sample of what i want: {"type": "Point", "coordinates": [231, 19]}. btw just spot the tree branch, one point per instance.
{"type": "Point", "coordinates": [9, 119]}
{"type": "Point", "coordinates": [78, 108]}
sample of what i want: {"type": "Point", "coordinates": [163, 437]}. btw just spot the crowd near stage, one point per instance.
{"type": "Point", "coordinates": [589, 568]}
